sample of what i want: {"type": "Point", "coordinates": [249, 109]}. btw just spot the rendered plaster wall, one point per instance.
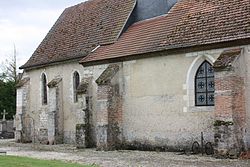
{"type": "Point", "coordinates": [72, 112]}
{"type": "Point", "coordinates": [157, 109]}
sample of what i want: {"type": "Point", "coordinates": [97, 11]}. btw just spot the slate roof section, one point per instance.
{"type": "Point", "coordinates": [226, 58]}
{"type": "Point", "coordinates": [189, 23]}
{"type": "Point", "coordinates": [80, 29]}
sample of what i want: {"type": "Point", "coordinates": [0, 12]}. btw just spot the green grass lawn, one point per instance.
{"type": "Point", "coordinates": [11, 161]}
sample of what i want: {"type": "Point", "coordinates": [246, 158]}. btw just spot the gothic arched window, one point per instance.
{"type": "Point", "coordinates": [44, 90]}
{"type": "Point", "coordinates": [204, 85]}
{"type": "Point", "coordinates": [76, 82]}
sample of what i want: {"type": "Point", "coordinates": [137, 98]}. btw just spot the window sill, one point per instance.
{"type": "Point", "coordinates": [200, 109]}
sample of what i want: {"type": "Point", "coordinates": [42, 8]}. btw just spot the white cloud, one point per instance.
{"type": "Point", "coordinates": [26, 36]}
{"type": "Point", "coordinates": [25, 23]}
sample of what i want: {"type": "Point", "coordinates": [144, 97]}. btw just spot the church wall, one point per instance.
{"type": "Point", "coordinates": [71, 111]}
{"type": "Point", "coordinates": [157, 109]}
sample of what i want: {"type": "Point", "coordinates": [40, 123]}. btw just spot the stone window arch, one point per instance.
{"type": "Point", "coordinates": [76, 83]}
{"type": "Point", "coordinates": [44, 89]}
{"type": "Point", "coordinates": [204, 85]}
{"type": "Point", "coordinates": [190, 84]}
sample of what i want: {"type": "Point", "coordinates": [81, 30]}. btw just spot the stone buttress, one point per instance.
{"type": "Point", "coordinates": [230, 111]}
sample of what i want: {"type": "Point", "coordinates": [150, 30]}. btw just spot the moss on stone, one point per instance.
{"type": "Point", "coordinates": [80, 126]}
{"type": "Point", "coordinates": [223, 123]}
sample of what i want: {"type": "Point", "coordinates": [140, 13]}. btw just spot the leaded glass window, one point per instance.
{"type": "Point", "coordinates": [204, 85]}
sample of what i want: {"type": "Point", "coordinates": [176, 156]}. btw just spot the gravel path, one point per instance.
{"type": "Point", "coordinates": [116, 158]}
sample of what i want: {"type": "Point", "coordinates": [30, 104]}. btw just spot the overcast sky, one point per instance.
{"type": "Point", "coordinates": [25, 23]}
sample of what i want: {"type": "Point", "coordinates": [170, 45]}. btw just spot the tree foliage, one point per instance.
{"type": "Point", "coordinates": [8, 80]}
{"type": "Point", "coordinates": [8, 98]}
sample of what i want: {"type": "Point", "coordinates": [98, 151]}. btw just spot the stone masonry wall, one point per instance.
{"type": "Point", "coordinates": [23, 123]}
{"type": "Point", "coordinates": [246, 61]}
{"type": "Point", "coordinates": [56, 119]}
{"type": "Point", "coordinates": [109, 114]}
{"type": "Point", "coordinates": [230, 113]}
{"type": "Point", "coordinates": [102, 117]}
{"type": "Point", "coordinates": [114, 118]}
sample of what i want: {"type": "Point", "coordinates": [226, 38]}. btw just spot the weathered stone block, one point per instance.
{"type": "Point", "coordinates": [102, 137]}
{"type": "Point", "coordinates": [43, 136]}
{"type": "Point", "coordinates": [80, 136]}
{"type": "Point", "coordinates": [18, 136]}
{"type": "Point", "coordinates": [6, 129]}
{"type": "Point", "coordinates": [51, 127]}
{"type": "Point", "coordinates": [3, 126]}
{"type": "Point", "coordinates": [226, 145]}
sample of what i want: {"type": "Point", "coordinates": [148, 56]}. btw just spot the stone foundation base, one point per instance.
{"type": "Point", "coordinates": [102, 138]}
{"type": "Point", "coordinates": [226, 145]}
{"type": "Point", "coordinates": [80, 136]}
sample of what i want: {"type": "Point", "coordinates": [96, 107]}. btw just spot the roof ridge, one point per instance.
{"type": "Point", "coordinates": [81, 3]}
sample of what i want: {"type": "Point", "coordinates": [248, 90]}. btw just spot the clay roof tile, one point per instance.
{"type": "Point", "coordinates": [80, 29]}
{"type": "Point", "coordinates": [189, 23]}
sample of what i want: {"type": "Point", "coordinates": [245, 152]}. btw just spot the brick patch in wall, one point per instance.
{"type": "Point", "coordinates": [110, 110]}
{"type": "Point", "coordinates": [230, 114]}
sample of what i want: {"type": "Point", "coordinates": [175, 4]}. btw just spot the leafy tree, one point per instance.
{"type": "Point", "coordinates": [8, 98]}
{"type": "Point", "coordinates": [8, 81]}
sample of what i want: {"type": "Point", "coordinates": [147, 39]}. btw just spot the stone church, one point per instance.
{"type": "Point", "coordinates": [141, 74]}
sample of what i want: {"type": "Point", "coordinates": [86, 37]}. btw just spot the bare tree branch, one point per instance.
{"type": "Point", "coordinates": [9, 68]}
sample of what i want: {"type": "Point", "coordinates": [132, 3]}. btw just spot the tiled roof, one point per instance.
{"type": "Point", "coordinates": [80, 29]}
{"type": "Point", "coordinates": [189, 23]}
{"type": "Point", "coordinates": [226, 58]}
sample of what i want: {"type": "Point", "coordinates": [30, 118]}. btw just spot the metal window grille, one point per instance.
{"type": "Point", "coordinates": [204, 85]}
